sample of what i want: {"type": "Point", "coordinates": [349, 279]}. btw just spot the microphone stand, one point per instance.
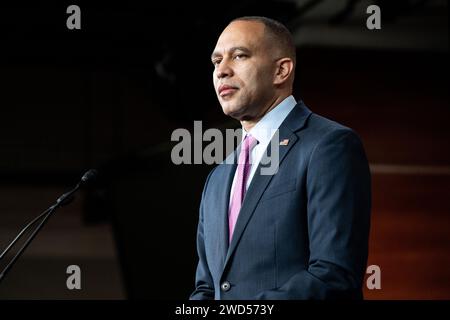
{"type": "Point", "coordinates": [61, 201]}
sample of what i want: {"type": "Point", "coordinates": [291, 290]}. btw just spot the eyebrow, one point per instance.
{"type": "Point", "coordinates": [231, 50]}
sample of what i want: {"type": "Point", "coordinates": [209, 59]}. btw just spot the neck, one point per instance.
{"type": "Point", "coordinates": [250, 123]}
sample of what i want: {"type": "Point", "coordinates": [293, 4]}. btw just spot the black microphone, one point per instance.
{"type": "Point", "coordinates": [87, 178]}
{"type": "Point", "coordinates": [66, 198]}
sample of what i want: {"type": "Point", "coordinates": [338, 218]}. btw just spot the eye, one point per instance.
{"type": "Point", "coordinates": [215, 62]}
{"type": "Point", "coordinates": [240, 56]}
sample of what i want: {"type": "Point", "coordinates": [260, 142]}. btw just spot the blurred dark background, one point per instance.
{"type": "Point", "coordinates": [108, 96]}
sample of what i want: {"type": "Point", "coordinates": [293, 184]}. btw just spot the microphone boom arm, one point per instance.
{"type": "Point", "coordinates": [61, 201]}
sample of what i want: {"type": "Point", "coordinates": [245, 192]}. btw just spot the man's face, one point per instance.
{"type": "Point", "coordinates": [244, 70]}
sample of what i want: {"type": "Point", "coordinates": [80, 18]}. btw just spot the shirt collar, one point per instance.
{"type": "Point", "coordinates": [265, 128]}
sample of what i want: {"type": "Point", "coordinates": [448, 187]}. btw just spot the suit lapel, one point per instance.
{"type": "Point", "coordinates": [224, 199]}
{"type": "Point", "coordinates": [295, 121]}
{"type": "Point", "coordinates": [256, 190]}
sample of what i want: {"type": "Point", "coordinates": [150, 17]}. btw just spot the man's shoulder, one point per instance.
{"type": "Point", "coordinates": [322, 125]}
{"type": "Point", "coordinates": [319, 127]}
{"type": "Point", "coordinates": [315, 125]}
{"type": "Point", "coordinates": [321, 131]}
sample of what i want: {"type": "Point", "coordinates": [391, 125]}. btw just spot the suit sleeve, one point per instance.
{"type": "Point", "coordinates": [204, 285]}
{"type": "Point", "coordinates": [338, 213]}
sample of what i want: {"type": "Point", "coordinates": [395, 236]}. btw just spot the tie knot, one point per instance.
{"type": "Point", "coordinates": [249, 142]}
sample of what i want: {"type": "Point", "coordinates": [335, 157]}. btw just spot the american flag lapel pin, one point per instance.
{"type": "Point", "coordinates": [284, 142]}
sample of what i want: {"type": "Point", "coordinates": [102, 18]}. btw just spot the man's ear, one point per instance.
{"type": "Point", "coordinates": [285, 67]}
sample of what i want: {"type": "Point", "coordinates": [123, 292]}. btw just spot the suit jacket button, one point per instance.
{"type": "Point", "coordinates": [225, 286]}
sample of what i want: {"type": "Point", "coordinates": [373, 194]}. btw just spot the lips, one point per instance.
{"type": "Point", "coordinates": [225, 90]}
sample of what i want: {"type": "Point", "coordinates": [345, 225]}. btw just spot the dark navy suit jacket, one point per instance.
{"type": "Point", "coordinates": [301, 233]}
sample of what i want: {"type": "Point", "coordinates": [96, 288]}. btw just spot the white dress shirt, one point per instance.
{"type": "Point", "coordinates": [263, 131]}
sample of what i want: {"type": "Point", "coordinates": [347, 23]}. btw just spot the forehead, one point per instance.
{"type": "Point", "coordinates": [249, 34]}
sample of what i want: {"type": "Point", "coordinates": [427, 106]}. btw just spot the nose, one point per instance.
{"type": "Point", "coordinates": [223, 70]}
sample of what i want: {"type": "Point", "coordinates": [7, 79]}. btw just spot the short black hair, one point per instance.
{"type": "Point", "coordinates": [278, 31]}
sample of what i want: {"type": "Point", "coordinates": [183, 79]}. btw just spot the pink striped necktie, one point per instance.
{"type": "Point", "coordinates": [243, 170]}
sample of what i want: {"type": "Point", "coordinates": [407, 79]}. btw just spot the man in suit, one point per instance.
{"type": "Point", "coordinates": [301, 233]}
